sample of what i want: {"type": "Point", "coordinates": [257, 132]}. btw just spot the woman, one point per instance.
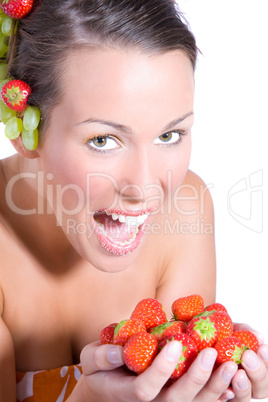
{"type": "Point", "coordinates": [100, 214]}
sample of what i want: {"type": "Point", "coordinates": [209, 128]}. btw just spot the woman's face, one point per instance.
{"type": "Point", "coordinates": [117, 147]}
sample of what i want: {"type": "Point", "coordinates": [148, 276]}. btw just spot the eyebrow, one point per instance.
{"type": "Point", "coordinates": [128, 130]}
{"type": "Point", "coordinates": [177, 121]}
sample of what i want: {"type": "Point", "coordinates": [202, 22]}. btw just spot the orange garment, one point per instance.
{"type": "Point", "coordinates": [53, 385]}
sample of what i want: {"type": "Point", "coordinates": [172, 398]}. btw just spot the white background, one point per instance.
{"type": "Point", "coordinates": [230, 145]}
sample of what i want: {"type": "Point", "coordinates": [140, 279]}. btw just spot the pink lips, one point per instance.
{"type": "Point", "coordinates": [113, 246]}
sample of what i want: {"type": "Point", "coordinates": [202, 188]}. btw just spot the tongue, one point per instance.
{"type": "Point", "coordinates": [118, 231]}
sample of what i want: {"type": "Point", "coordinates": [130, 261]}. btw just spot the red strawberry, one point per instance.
{"type": "Point", "coordinates": [125, 329]}
{"type": "Point", "coordinates": [107, 334]}
{"type": "Point", "coordinates": [215, 307]}
{"type": "Point", "coordinates": [248, 339]}
{"type": "Point", "coordinates": [167, 329]}
{"type": "Point", "coordinates": [150, 311]}
{"type": "Point", "coordinates": [140, 351]}
{"type": "Point", "coordinates": [185, 308]}
{"type": "Point", "coordinates": [224, 323]}
{"type": "Point", "coordinates": [15, 95]}
{"type": "Point", "coordinates": [229, 349]}
{"type": "Point", "coordinates": [222, 320]}
{"type": "Point", "coordinates": [189, 353]}
{"type": "Point", "coordinates": [16, 8]}
{"type": "Point", "coordinates": [203, 331]}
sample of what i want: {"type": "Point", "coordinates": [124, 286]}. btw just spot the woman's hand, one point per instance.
{"type": "Point", "coordinates": [106, 381]}
{"type": "Point", "coordinates": [254, 377]}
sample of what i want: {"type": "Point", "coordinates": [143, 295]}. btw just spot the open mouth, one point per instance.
{"type": "Point", "coordinates": [119, 232]}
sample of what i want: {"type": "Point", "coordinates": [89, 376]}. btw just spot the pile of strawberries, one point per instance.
{"type": "Point", "coordinates": [197, 327]}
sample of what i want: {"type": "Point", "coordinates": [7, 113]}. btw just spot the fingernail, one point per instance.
{"type": "Point", "coordinates": [251, 361]}
{"type": "Point", "coordinates": [264, 353]}
{"type": "Point", "coordinates": [208, 359]}
{"type": "Point", "coordinates": [114, 356]}
{"type": "Point", "coordinates": [243, 382]}
{"type": "Point", "coordinates": [173, 351]}
{"type": "Point", "coordinates": [228, 373]}
{"type": "Point", "coordinates": [228, 394]}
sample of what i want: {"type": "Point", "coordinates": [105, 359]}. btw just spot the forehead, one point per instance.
{"type": "Point", "coordinates": [113, 81]}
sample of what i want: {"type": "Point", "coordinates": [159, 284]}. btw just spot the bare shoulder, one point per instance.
{"type": "Point", "coordinates": [190, 210]}
{"type": "Point", "coordinates": [193, 196]}
{"type": "Point", "coordinates": [7, 360]}
{"type": "Point", "coordinates": [189, 252]}
{"type": "Point", "coordinates": [191, 178]}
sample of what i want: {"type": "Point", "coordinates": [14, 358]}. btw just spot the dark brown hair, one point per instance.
{"type": "Point", "coordinates": [55, 27]}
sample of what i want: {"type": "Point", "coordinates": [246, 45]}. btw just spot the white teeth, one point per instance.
{"type": "Point", "coordinates": [136, 220]}
{"type": "Point", "coordinates": [122, 218]}
{"type": "Point", "coordinates": [129, 220]}
{"type": "Point", "coordinates": [141, 219]}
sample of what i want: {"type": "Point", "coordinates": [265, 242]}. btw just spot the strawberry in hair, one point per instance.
{"type": "Point", "coordinates": [16, 9]}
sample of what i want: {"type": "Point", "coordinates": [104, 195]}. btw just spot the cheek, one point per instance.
{"type": "Point", "coordinates": [177, 166]}
{"type": "Point", "coordinates": [66, 164]}
{"type": "Point", "coordinates": [66, 182]}
{"type": "Point", "coordinates": [79, 187]}
{"type": "Point", "coordinates": [102, 191]}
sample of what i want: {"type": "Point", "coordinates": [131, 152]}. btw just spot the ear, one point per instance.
{"type": "Point", "coordinates": [22, 150]}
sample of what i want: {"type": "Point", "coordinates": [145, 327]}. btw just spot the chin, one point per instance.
{"type": "Point", "coordinates": [105, 261]}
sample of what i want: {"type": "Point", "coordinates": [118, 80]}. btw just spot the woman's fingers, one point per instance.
{"type": "Point", "coordinates": [218, 384]}
{"type": "Point", "coordinates": [190, 384]}
{"type": "Point", "coordinates": [241, 387]}
{"type": "Point", "coordinates": [197, 384]}
{"type": "Point", "coordinates": [121, 386]}
{"type": "Point", "coordinates": [263, 354]}
{"type": "Point", "coordinates": [149, 384]}
{"type": "Point", "coordinates": [257, 372]}
{"type": "Point", "coordinates": [96, 357]}
{"type": "Point", "coordinates": [226, 396]}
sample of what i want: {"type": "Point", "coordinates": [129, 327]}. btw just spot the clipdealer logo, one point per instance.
{"type": "Point", "coordinates": [245, 201]}
{"type": "Point", "coordinates": [71, 203]}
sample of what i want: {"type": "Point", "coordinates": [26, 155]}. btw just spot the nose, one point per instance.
{"type": "Point", "coordinates": [140, 181]}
